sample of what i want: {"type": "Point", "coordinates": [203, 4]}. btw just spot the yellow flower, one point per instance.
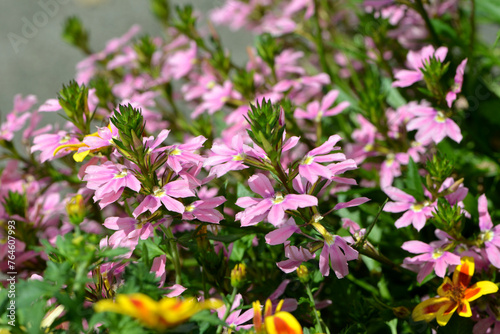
{"type": "Point", "coordinates": [166, 313]}
{"type": "Point", "coordinates": [278, 323]}
{"type": "Point", "coordinates": [454, 295]}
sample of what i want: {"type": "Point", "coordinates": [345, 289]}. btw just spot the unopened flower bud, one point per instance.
{"type": "Point", "coordinates": [76, 209]}
{"type": "Point", "coordinates": [401, 312]}
{"type": "Point", "coordinates": [303, 273]}
{"type": "Point", "coordinates": [238, 275]}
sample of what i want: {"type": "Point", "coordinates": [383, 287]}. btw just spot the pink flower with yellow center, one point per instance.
{"type": "Point", "coordinates": [454, 295]}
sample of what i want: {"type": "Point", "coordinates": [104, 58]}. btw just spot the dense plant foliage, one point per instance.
{"type": "Point", "coordinates": [343, 178]}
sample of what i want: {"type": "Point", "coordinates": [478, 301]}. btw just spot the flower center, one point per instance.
{"type": "Point", "coordinates": [368, 148]}
{"type": "Point", "coordinates": [158, 192]}
{"type": "Point", "coordinates": [417, 207]}
{"type": "Point", "coordinates": [238, 157]}
{"type": "Point", "coordinates": [436, 254]}
{"type": "Point", "coordinates": [175, 151]}
{"type": "Point", "coordinates": [319, 116]}
{"type": "Point", "coordinates": [190, 208]}
{"type": "Point", "coordinates": [121, 174]}
{"type": "Point", "coordinates": [390, 159]}
{"type": "Point", "coordinates": [307, 160]}
{"type": "Point", "coordinates": [486, 236]}
{"type": "Point", "coordinates": [456, 293]}
{"type": "Point", "coordinates": [278, 198]}
{"type": "Point", "coordinates": [211, 84]}
{"type": "Point", "coordinates": [440, 118]}
{"type": "Point", "coordinates": [64, 139]}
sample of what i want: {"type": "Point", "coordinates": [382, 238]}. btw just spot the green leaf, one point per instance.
{"type": "Point", "coordinates": [414, 182]}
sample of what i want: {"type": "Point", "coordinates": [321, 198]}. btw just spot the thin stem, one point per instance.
{"type": "Point", "coordinates": [228, 309]}
{"type": "Point", "coordinates": [316, 315]}
{"type": "Point", "coordinates": [319, 42]}
{"type": "Point", "coordinates": [420, 8]}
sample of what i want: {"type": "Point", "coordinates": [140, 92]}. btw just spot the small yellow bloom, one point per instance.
{"type": "Point", "coordinates": [238, 275]}
{"type": "Point", "coordinates": [166, 313]}
{"type": "Point", "coordinates": [454, 295]}
{"type": "Point", "coordinates": [76, 209]}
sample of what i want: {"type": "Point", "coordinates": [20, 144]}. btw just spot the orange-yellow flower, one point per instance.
{"type": "Point", "coordinates": [454, 295]}
{"type": "Point", "coordinates": [166, 313]}
{"type": "Point", "coordinates": [278, 323]}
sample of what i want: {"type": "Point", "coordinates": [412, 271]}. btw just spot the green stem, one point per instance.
{"type": "Point", "coordinates": [228, 309]}
{"type": "Point", "coordinates": [319, 42]}
{"type": "Point", "coordinates": [175, 254]}
{"type": "Point", "coordinates": [420, 8]}
{"type": "Point", "coordinates": [316, 315]}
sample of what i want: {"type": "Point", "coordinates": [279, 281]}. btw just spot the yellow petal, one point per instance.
{"type": "Point", "coordinates": [479, 289]}
{"type": "Point", "coordinates": [71, 147]}
{"type": "Point", "coordinates": [464, 272]}
{"type": "Point", "coordinates": [444, 314]}
{"type": "Point", "coordinates": [282, 323]}
{"type": "Point", "coordinates": [79, 156]}
{"type": "Point", "coordinates": [427, 309]}
{"type": "Point", "coordinates": [464, 310]}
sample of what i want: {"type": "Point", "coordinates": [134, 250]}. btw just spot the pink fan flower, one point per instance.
{"type": "Point", "coordinates": [295, 255]}
{"type": "Point", "coordinates": [204, 210]}
{"type": "Point", "coordinates": [309, 166]}
{"type": "Point", "coordinates": [336, 252]}
{"type": "Point", "coordinates": [416, 213]}
{"type": "Point", "coordinates": [216, 98]}
{"type": "Point", "coordinates": [17, 117]}
{"type": "Point", "coordinates": [227, 158]}
{"type": "Point", "coordinates": [432, 125]}
{"type": "Point", "coordinates": [416, 61]}
{"type": "Point", "coordinates": [272, 205]}
{"type": "Point", "coordinates": [48, 143]}
{"type": "Point", "coordinates": [459, 80]}
{"type": "Point", "coordinates": [180, 63]}
{"type": "Point", "coordinates": [315, 111]}
{"type": "Point", "coordinates": [490, 235]}
{"type": "Point", "coordinates": [165, 196]}
{"type": "Point", "coordinates": [433, 257]}
{"type": "Point", "coordinates": [236, 319]}
{"type": "Point", "coordinates": [109, 180]}
{"type": "Point", "coordinates": [184, 153]}
{"type": "Point", "coordinates": [282, 233]}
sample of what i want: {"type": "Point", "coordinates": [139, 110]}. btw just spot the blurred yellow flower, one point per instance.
{"type": "Point", "coordinates": [166, 313]}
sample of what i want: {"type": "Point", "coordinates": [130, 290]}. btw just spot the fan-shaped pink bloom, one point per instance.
{"type": "Point", "coordinates": [165, 196]}
{"type": "Point", "coordinates": [204, 210]}
{"type": "Point", "coordinates": [180, 154]}
{"type": "Point", "coordinates": [309, 166]}
{"type": "Point", "coordinates": [236, 319]}
{"type": "Point", "coordinates": [282, 233]}
{"type": "Point", "coordinates": [227, 158]}
{"type": "Point", "coordinates": [336, 252]}
{"type": "Point", "coordinates": [48, 143]}
{"type": "Point", "coordinates": [315, 111]}
{"type": "Point", "coordinates": [295, 255]}
{"type": "Point", "coordinates": [416, 213]}
{"type": "Point", "coordinates": [109, 180]}
{"type": "Point", "coordinates": [490, 235]}
{"type": "Point", "coordinates": [416, 61]}
{"type": "Point", "coordinates": [272, 205]}
{"type": "Point", "coordinates": [433, 257]}
{"type": "Point", "coordinates": [433, 125]}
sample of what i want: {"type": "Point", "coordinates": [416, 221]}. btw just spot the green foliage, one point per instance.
{"type": "Point", "coordinates": [75, 34]}
{"type": "Point", "coordinates": [161, 9]}
{"type": "Point", "coordinates": [266, 128]}
{"type": "Point", "coordinates": [73, 99]}
{"type": "Point", "coordinates": [15, 203]}
{"type": "Point", "coordinates": [447, 217]}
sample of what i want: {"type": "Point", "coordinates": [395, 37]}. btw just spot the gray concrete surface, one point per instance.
{"type": "Point", "coordinates": [39, 62]}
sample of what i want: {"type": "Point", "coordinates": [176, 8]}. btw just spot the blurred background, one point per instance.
{"type": "Point", "coordinates": [38, 61]}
